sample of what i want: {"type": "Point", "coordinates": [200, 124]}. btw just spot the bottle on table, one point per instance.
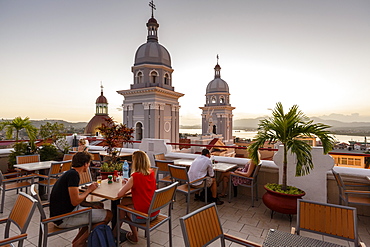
{"type": "Point", "coordinates": [125, 170]}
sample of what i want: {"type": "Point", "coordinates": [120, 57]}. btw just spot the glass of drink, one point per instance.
{"type": "Point", "coordinates": [98, 179]}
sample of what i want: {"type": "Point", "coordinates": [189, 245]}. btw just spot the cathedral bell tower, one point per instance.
{"type": "Point", "coordinates": [217, 117]}
{"type": "Point", "coordinates": [151, 105]}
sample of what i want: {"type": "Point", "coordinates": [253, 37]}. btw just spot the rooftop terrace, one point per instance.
{"type": "Point", "coordinates": [238, 218]}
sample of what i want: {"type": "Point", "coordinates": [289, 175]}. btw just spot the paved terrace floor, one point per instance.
{"type": "Point", "coordinates": [237, 218]}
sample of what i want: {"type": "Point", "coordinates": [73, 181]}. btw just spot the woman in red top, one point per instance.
{"type": "Point", "coordinates": [142, 185]}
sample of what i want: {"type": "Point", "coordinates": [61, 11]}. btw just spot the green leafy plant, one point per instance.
{"type": "Point", "coordinates": [49, 152]}
{"type": "Point", "coordinates": [21, 148]}
{"type": "Point", "coordinates": [111, 167]}
{"type": "Point", "coordinates": [114, 136]}
{"type": "Point", "coordinates": [290, 190]}
{"type": "Point", "coordinates": [287, 128]}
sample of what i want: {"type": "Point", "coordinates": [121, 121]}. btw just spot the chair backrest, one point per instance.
{"type": "Point", "coordinates": [159, 156]}
{"type": "Point", "coordinates": [67, 157]}
{"type": "Point", "coordinates": [66, 165]}
{"type": "Point", "coordinates": [85, 177]}
{"type": "Point", "coordinates": [163, 165]}
{"type": "Point", "coordinates": [202, 226]}
{"type": "Point", "coordinates": [28, 158]}
{"type": "Point", "coordinates": [162, 197]}
{"type": "Point", "coordinates": [339, 181]}
{"type": "Point", "coordinates": [55, 169]}
{"type": "Point", "coordinates": [256, 171]}
{"type": "Point", "coordinates": [22, 212]}
{"type": "Point", "coordinates": [179, 173]}
{"type": "Point", "coordinates": [328, 219]}
{"type": "Point", "coordinates": [35, 195]}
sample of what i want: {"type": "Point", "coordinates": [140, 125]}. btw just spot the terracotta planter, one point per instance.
{"type": "Point", "coordinates": [281, 203]}
{"type": "Point", "coordinates": [105, 174]}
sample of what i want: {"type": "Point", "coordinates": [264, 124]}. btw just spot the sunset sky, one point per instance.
{"type": "Point", "coordinates": [54, 54]}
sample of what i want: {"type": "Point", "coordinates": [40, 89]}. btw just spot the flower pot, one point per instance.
{"type": "Point", "coordinates": [280, 202]}
{"type": "Point", "coordinates": [104, 175]}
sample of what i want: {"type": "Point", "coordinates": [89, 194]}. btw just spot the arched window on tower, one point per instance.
{"type": "Point", "coordinates": [153, 76]}
{"type": "Point", "coordinates": [139, 131]}
{"type": "Point", "coordinates": [139, 77]}
{"type": "Point", "coordinates": [213, 100]}
{"type": "Point", "coordinates": [222, 100]}
{"type": "Point", "coordinates": [166, 79]}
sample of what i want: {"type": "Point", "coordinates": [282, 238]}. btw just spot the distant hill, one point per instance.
{"type": "Point", "coordinates": [338, 127]}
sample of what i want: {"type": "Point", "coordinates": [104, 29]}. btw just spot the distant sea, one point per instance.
{"type": "Point", "coordinates": [252, 134]}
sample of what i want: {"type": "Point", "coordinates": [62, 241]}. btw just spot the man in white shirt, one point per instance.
{"type": "Point", "coordinates": [202, 166]}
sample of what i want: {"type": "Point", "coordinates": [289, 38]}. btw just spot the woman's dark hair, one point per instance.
{"type": "Point", "coordinates": [81, 158]}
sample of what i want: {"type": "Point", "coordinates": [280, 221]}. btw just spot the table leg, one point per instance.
{"type": "Point", "coordinates": [113, 208]}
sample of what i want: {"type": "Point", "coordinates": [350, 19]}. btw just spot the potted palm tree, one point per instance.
{"type": "Point", "coordinates": [287, 128]}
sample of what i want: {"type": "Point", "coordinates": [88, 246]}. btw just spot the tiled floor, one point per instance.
{"type": "Point", "coordinates": [238, 218]}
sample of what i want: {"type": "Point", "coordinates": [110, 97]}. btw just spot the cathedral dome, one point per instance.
{"type": "Point", "coordinates": [101, 99]}
{"type": "Point", "coordinates": [152, 53]}
{"type": "Point", "coordinates": [94, 124]}
{"type": "Point", "coordinates": [217, 85]}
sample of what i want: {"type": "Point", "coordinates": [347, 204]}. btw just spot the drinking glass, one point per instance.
{"type": "Point", "coordinates": [98, 179]}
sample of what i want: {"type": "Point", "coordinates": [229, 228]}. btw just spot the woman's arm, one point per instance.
{"type": "Point", "coordinates": [249, 171]}
{"type": "Point", "coordinates": [126, 187]}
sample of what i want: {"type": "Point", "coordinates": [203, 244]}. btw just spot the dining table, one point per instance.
{"type": "Point", "coordinates": [218, 166]}
{"type": "Point", "coordinates": [35, 166]}
{"type": "Point", "coordinates": [279, 238]}
{"type": "Point", "coordinates": [119, 154]}
{"type": "Point", "coordinates": [108, 191]}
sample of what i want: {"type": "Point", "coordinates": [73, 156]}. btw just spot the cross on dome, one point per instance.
{"type": "Point", "coordinates": [151, 4]}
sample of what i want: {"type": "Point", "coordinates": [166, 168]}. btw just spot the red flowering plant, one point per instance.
{"type": "Point", "coordinates": [115, 135]}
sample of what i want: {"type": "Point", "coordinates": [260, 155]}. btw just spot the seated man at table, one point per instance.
{"type": "Point", "coordinates": [66, 197]}
{"type": "Point", "coordinates": [202, 166]}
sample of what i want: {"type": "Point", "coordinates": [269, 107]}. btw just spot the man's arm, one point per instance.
{"type": "Point", "coordinates": [76, 197]}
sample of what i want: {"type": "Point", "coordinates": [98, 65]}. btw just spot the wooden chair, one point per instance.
{"type": "Point", "coordinates": [66, 165]}
{"type": "Point", "coordinates": [47, 226]}
{"type": "Point", "coordinates": [23, 159]}
{"type": "Point", "coordinates": [352, 196]}
{"type": "Point", "coordinates": [253, 183]}
{"type": "Point", "coordinates": [328, 219]}
{"type": "Point", "coordinates": [203, 226]}
{"type": "Point", "coordinates": [20, 217]}
{"type": "Point", "coordinates": [163, 171]}
{"type": "Point", "coordinates": [86, 178]}
{"type": "Point", "coordinates": [14, 183]}
{"type": "Point", "coordinates": [162, 198]}
{"type": "Point", "coordinates": [95, 164]}
{"type": "Point", "coordinates": [49, 180]}
{"type": "Point", "coordinates": [67, 157]}
{"type": "Point", "coordinates": [180, 174]}
{"type": "Point", "coordinates": [159, 156]}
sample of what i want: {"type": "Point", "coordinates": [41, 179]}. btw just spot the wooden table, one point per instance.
{"type": "Point", "coordinates": [109, 191]}
{"type": "Point", "coordinates": [219, 166]}
{"type": "Point", "coordinates": [278, 238]}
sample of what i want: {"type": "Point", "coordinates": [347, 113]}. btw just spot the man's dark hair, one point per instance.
{"type": "Point", "coordinates": [81, 158]}
{"type": "Point", "coordinates": [205, 152]}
